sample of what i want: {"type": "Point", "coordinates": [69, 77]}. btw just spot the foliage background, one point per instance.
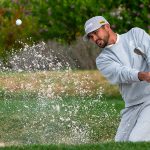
{"type": "Point", "coordinates": [63, 20]}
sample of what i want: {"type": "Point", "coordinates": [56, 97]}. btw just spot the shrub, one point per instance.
{"type": "Point", "coordinates": [63, 20]}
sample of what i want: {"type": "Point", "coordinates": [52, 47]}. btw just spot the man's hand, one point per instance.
{"type": "Point", "coordinates": [144, 76]}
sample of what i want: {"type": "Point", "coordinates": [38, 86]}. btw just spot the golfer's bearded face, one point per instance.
{"type": "Point", "coordinates": [100, 37]}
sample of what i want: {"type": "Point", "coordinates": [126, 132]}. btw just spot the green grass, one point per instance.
{"type": "Point", "coordinates": [101, 146]}
{"type": "Point", "coordinates": [25, 119]}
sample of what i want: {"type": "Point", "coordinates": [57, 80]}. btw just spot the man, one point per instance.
{"type": "Point", "coordinates": [125, 60]}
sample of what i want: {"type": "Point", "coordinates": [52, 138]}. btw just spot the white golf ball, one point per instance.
{"type": "Point", "coordinates": [18, 22]}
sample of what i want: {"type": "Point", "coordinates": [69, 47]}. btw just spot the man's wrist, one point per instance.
{"type": "Point", "coordinates": [141, 76]}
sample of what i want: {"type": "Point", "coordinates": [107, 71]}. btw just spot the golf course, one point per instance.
{"type": "Point", "coordinates": [59, 110]}
{"type": "Point", "coordinates": [54, 57]}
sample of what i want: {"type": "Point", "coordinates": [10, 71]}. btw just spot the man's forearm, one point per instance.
{"type": "Point", "coordinates": [144, 76]}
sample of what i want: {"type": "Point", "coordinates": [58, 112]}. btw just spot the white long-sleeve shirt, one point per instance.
{"type": "Point", "coordinates": [120, 64]}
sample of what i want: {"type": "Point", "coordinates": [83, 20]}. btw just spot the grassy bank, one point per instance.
{"type": "Point", "coordinates": [66, 81]}
{"type": "Point", "coordinates": [69, 120]}
{"type": "Point", "coordinates": [57, 107]}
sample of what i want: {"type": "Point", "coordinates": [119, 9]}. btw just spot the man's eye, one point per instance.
{"type": "Point", "coordinates": [89, 36]}
{"type": "Point", "coordinates": [95, 32]}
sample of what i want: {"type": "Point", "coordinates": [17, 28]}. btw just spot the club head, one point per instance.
{"type": "Point", "coordinates": [139, 52]}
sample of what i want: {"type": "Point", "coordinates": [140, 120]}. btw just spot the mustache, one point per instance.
{"type": "Point", "coordinates": [101, 43]}
{"type": "Point", "coordinates": [97, 41]}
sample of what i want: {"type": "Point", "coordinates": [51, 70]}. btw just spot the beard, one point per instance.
{"type": "Point", "coordinates": [103, 42]}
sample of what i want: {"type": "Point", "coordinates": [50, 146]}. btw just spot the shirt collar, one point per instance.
{"type": "Point", "coordinates": [108, 46]}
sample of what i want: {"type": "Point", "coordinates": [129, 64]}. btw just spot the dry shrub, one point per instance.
{"type": "Point", "coordinates": [79, 54]}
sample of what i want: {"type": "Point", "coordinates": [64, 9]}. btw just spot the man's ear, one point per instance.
{"type": "Point", "coordinates": [107, 27]}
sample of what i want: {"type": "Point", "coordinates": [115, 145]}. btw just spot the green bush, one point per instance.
{"type": "Point", "coordinates": [12, 36]}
